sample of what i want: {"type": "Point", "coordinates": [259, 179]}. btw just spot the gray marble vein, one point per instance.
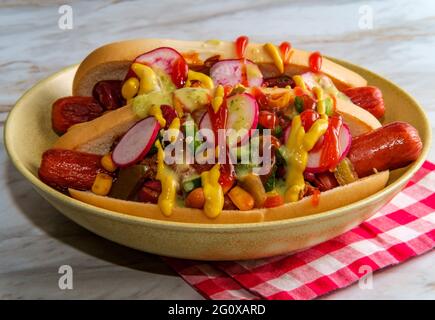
{"type": "Point", "coordinates": [35, 239]}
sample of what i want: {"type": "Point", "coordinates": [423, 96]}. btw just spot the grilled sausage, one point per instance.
{"type": "Point", "coordinates": [392, 146]}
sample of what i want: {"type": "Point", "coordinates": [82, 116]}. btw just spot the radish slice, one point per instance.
{"type": "Point", "coordinates": [310, 80]}
{"type": "Point", "coordinates": [136, 143]}
{"type": "Point", "coordinates": [344, 141]}
{"type": "Point", "coordinates": [315, 80]}
{"type": "Point", "coordinates": [166, 59]}
{"type": "Point", "coordinates": [242, 113]}
{"type": "Point", "coordinates": [230, 72]}
{"type": "Point", "coordinates": [162, 58]}
{"type": "Point", "coordinates": [205, 122]}
{"type": "Point", "coordinates": [287, 133]}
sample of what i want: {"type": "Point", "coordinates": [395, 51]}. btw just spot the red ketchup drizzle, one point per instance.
{"type": "Point", "coordinates": [315, 61]}
{"type": "Point", "coordinates": [218, 119]}
{"type": "Point", "coordinates": [227, 175]}
{"type": "Point", "coordinates": [331, 148]}
{"type": "Point", "coordinates": [179, 73]}
{"type": "Point", "coordinates": [315, 197]}
{"type": "Point", "coordinates": [285, 49]}
{"type": "Point", "coordinates": [241, 44]}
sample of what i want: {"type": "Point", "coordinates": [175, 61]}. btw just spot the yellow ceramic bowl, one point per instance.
{"type": "Point", "coordinates": [28, 133]}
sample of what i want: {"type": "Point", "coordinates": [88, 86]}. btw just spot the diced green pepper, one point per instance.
{"type": "Point", "coordinates": [281, 155]}
{"type": "Point", "coordinates": [277, 132]}
{"type": "Point", "coordinates": [270, 183]}
{"type": "Point", "coordinates": [191, 183]}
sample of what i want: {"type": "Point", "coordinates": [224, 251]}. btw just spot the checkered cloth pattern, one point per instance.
{"type": "Point", "coordinates": [402, 229]}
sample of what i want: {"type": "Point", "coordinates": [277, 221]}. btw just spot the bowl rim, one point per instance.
{"type": "Point", "coordinates": [201, 227]}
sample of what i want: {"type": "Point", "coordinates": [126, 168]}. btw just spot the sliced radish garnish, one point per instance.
{"type": "Point", "coordinates": [162, 58]}
{"type": "Point", "coordinates": [166, 59]}
{"type": "Point", "coordinates": [242, 113]}
{"type": "Point", "coordinates": [234, 71]}
{"type": "Point", "coordinates": [287, 133]}
{"type": "Point", "coordinates": [310, 80]}
{"type": "Point", "coordinates": [315, 80]}
{"type": "Point", "coordinates": [344, 141]}
{"type": "Point", "coordinates": [205, 122]}
{"type": "Point", "coordinates": [136, 143]}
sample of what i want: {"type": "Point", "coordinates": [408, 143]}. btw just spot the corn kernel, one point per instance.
{"type": "Point", "coordinates": [107, 163]}
{"type": "Point", "coordinates": [102, 184]}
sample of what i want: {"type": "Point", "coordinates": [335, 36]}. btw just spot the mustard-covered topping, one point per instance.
{"type": "Point", "coordinates": [130, 88]}
{"type": "Point", "coordinates": [205, 80]}
{"type": "Point", "coordinates": [214, 196]}
{"type": "Point", "coordinates": [299, 144]}
{"type": "Point", "coordinates": [299, 82]}
{"type": "Point", "coordinates": [191, 99]}
{"type": "Point", "coordinates": [175, 125]}
{"type": "Point", "coordinates": [218, 98]}
{"type": "Point", "coordinates": [156, 111]}
{"type": "Point", "coordinates": [320, 101]}
{"type": "Point", "coordinates": [273, 51]}
{"type": "Point", "coordinates": [148, 79]}
{"type": "Point", "coordinates": [169, 183]}
{"type": "Point", "coordinates": [142, 104]}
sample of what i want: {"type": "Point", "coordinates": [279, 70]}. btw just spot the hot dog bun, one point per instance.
{"type": "Point", "coordinates": [330, 199]}
{"type": "Point", "coordinates": [97, 135]}
{"type": "Point", "coordinates": [113, 60]}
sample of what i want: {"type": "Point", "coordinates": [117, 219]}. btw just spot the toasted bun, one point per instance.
{"type": "Point", "coordinates": [113, 60]}
{"type": "Point", "coordinates": [330, 199]}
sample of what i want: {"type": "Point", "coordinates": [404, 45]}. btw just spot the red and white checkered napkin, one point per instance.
{"type": "Point", "coordinates": [402, 229]}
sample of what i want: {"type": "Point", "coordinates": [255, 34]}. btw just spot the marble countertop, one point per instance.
{"type": "Point", "coordinates": [393, 38]}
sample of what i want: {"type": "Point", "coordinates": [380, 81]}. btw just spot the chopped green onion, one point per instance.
{"type": "Point", "coordinates": [277, 132]}
{"type": "Point", "coordinates": [299, 104]}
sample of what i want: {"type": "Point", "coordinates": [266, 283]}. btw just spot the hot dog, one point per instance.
{"type": "Point", "coordinates": [368, 98]}
{"type": "Point", "coordinates": [69, 111]}
{"type": "Point", "coordinates": [63, 169]}
{"type": "Point", "coordinates": [327, 150]}
{"type": "Point", "coordinates": [393, 146]}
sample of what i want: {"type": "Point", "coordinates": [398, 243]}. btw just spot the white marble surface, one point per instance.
{"type": "Point", "coordinates": [35, 239]}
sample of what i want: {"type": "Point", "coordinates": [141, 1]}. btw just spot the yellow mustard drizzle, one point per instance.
{"type": "Point", "coordinates": [169, 183]}
{"type": "Point", "coordinates": [178, 107]}
{"type": "Point", "coordinates": [148, 79]}
{"type": "Point", "coordinates": [218, 98]}
{"type": "Point", "coordinates": [273, 51]}
{"type": "Point", "coordinates": [214, 42]}
{"type": "Point", "coordinates": [299, 144]}
{"type": "Point", "coordinates": [320, 101]}
{"type": "Point", "coordinates": [299, 82]}
{"type": "Point", "coordinates": [175, 125]}
{"type": "Point", "coordinates": [130, 88]}
{"type": "Point", "coordinates": [213, 194]}
{"type": "Point", "coordinates": [156, 111]}
{"type": "Point", "coordinates": [205, 80]}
